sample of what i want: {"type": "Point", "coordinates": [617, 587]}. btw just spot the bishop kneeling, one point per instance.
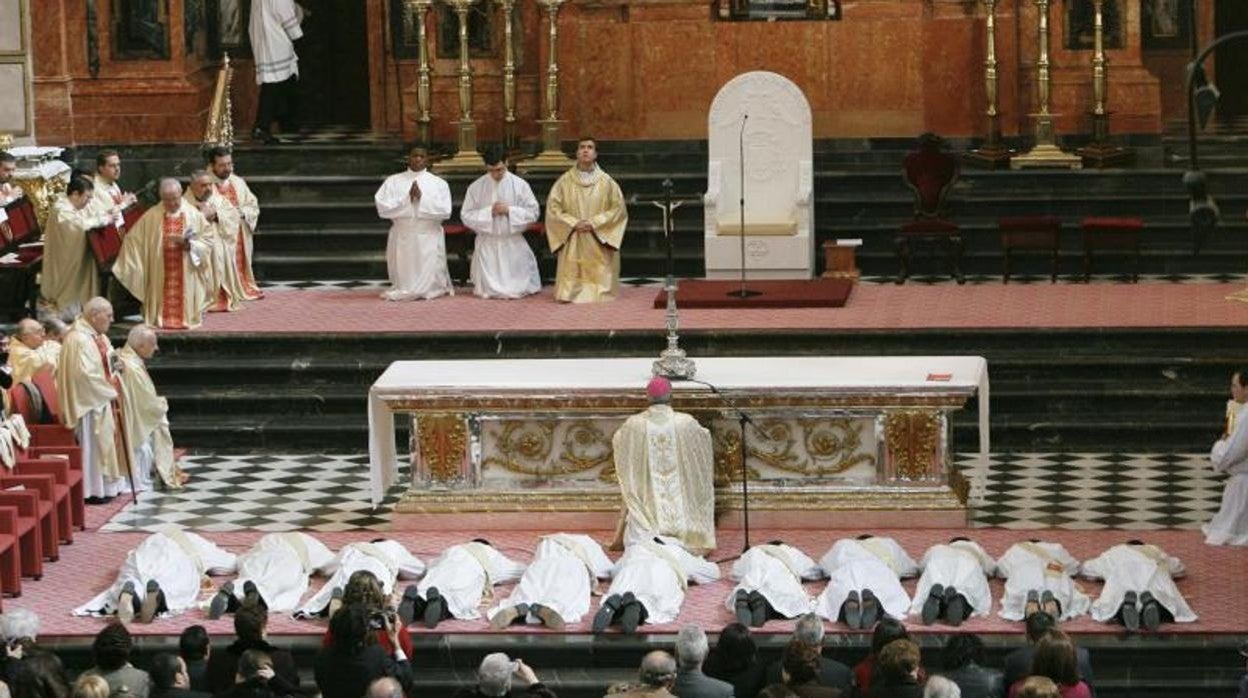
{"type": "Point", "coordinates": [165, 262]}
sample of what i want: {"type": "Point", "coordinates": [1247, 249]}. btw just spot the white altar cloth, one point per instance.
{"type": "Point", "coordinates": [403, 379]}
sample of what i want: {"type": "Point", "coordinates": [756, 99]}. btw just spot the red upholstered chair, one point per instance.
{"type": "Point", "coordinates": [459, 241]}
{"type": "Point", "coordinates": [1115, 234]}
{"type": "Point", "coordinates": [44, 487]}
{"type": "Point", "coordinates": [1029, 233]}
{"type": "Point", "coordinates": [66, 485]}
{"type": "Point", "coordinates": [930, 173]}
{"type": "Point", "coordinates": [10, 553]}
{"type": "Point", "coordinates": [25, 506]}
{"type": "Point", "coordinates": [25, 229]}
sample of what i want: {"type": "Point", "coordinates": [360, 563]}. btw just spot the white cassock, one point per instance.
{"type": "Point", "coordinates": [388, 560]}
{"type": "Point", "coordinates": [564, 571]}
{"type": "Point", "coordinates": [273, 29]}
{"type": "Point", "coordinates": [874, 563]}
{"type": "Point", "coordinates": [962, 565]}
{"type": "Point", "coordinates": [416, 248]}
{"type": "Point", "coordinates": [658, 576]}
{"type": "Point", "coordinates": [176, 559]}
{"type": "Point", "coordinates": [776, 572]}
{"type": "Point", "coordinates": [503, 265]}
{"type": "Point", "coordinates": [279, 565]}
{"type": "Point", "coordinates": [1040, 566]}
{"type": "Point", "coordinates": [1230, 455]}
{"type": "Point", "coordinates": [465, 574]}
{"type": "Point", "coordinates": [1137, 568]}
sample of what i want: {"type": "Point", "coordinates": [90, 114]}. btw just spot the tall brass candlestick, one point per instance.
{"type": "Point", "coordinates": [509, 74]}
{"type": "Point", "coordinates": [424, 77]}
{"type": "Point", "coordinates": [466, 158]}
{"type": "Point", "coordinates": [1045, 153]}
{"type": "Point", "coordinates": [551, 157]}
{"type": "Point", "coordinates": [992, 153]}
{"type": "Point", "coordinates": [1100, 152]}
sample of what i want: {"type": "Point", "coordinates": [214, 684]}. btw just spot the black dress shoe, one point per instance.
{"type": "Point", "coordinates": [411, 605]}
{"type": "Point", "coordinates": [251, 595]}
{"type": "Point", "coordinates": [435, 608]}
{"type": "Point", "coordinates": [1032, 605]}
{"type": "Point", "coordinates": [741, 607]}
{"type": "Point", "coordinates": [852, 610]}
{"type": "Point", "coordinates": [221, 601]}
{"type": "Point", "coordinates": [606, 613]}
{"type": "Point", "coordinates": [1050, 605]}
{"type": "Point", "coordinates": [870, 609]}
{"type": "Point", "coordinates": [630, 616]}
{"type": "Point", "coordinates": [1129, 612]}
{"type": "Point", "coordinates": [151, 602]}
{"type": "Point", "coordinates": [956, 607]}
{"type": "Point", "coordinates": [759, 609]}
{"type": "Point", "coordinates": [933, 605]}
{"type": "Point", "coordinates": [1150, 612]}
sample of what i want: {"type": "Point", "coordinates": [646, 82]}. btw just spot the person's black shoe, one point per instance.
{"type": "Point", "coordinates": [1129, 612]}
{"type": "Point", "coordinates": [251, 595]}
{"type": "Point", "coordinates": [435, 608]}
{"type": "Point", "coordinates": [1032, 605]}
{"type": "Point", "coordinates": [852, 610]}
{"type": "Point", "coordinates": [1150, 612]}
{"type": "Point", "coordinates": [411, 605]}
{"type": "Point", "coordinates": [870, 609]}
{"type": "Point", "coordinates": [932, 606]}
{"type": "Point", "coordinates": [741, 607]}
{"type": "Point", "coordinates": [759, 609]}
{"type": "Point", "coordinates": [126, 603]}
{"type": "Point", "coordinates": [630, 616]}
{"type": "Point", "coordinates": [549, 617]}
{"type": "Point", "coordinates": [221, 601]}
{"type": "Point", "coordinates": [1050, 605]}
{"type": "Point", "coordinates": [956, 607]}
{"type": "Point", "coordinates": [606, 613]}
{"type": "Point", "coordinates": [151, 602]}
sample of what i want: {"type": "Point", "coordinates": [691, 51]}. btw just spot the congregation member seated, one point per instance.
{"type": "Point", "coordinates": [195, 648]}
{"type": "Point", "coordinates": [898, 673]}
{"type": "Point", "coordinates": [886, 631]}
{"type": "Point", "coordinates": [800, 672]}
{"type": "Point", "coordinates": [655, 678]}
{"type": "Point", "coordinates": [1038, 578]}
{"type": "Point", "coordinates": [254, 678]}
{"type": "Point", "coordinates": [1018, 662]}
{"type": "Point", "coordinates": [557, 585]}
{"type": "Point", "coordinates": [346, 667]}
{"type": "Point", "coordinates": [734, 659]}
{"type": "Point", "coordinates": [87, 686]}
{"type": "Point", "coordinates": [649, 584]}
{"type": "Point", "coordinates": [364, 590]}
{"type": "Point", "coordinates": [111, 652]}
{"type": "Point", "coordinates": [809, 629]}
{"type": "Point", "coordinates": [691, 650]}
{"type": "Point", "coordinates": [954, 584]}
{"type": "Point", "coordinates": [769, 583]}
{"type": "Point", "coordinates": [1139, 587]}
{"type": "Point", "coordinates": [1055, 659]}
{"type": "Point", "coordinates": [962, 660]}
{"type": "Point", "coordinates": [941, 687]}
{"type": "Point", "coordinates": [864, 581]}
{"type": "Point", "coordinates": [170, 678]}
{"type": "Point", "coordinates": [250, 628]}
{"type": "Point", "coordinates": [456, 582]}
{"type": "Point", "coordinates": [1038, 687]}
{"type": "Point", "coordinates": [500, 675]}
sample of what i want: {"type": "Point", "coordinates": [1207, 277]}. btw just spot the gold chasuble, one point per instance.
{"type": "Point", "coordinates": [69, 277]}
{"type": "Point", "coordinates": [589, 263]}
{"type": "Point", "coordinates": [144, 416]}
{"type": "Point", "coordinates": [84, 384]}
{"type": "Point", "coordinates": [165, 262]}
{"type": "Point", "coordinates": [246, 208]}
{"type": "Point", "coordinates": [26, 362]}
{"type": "Point", "coordinates": [665, 464]}
{"type": "Point", "coordinates": [225, 283]}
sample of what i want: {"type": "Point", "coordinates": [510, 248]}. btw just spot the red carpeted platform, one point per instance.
{"type": "Point", "coordinates": [791, 293]}
{"type": "Point", "coordinates": [1213, 585]}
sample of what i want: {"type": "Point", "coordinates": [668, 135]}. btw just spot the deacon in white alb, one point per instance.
{"type": "Point", "coordinates": [162, 575]}
{"type": "Point", "coordinates": [556, 586]}
{"type": "Point", "coordinates": [387, 560]}
{"type": "Point", "coordinates": [457, 581]}
{"type": "Point", "coordinates": [650, 583]}
{"type": "Point", "coordinates": [415, 202]}
{"type": "Point", "coordinates": [954, 584]}
{"type": "Point", "coordinates": [1038, 578]}
{"type": "Point", "coordinates": [1139, 585]}
{"type": "Point", "coordinates": [1230, 455]}
{"type": "Point", "coordinates": [865, 580]}
{"type": "Point", "coordinates": [273, 573]}
{"type": "Point", "coordinates": [498, 207]}
{"type": "Point", "coordinates": [769, 583]}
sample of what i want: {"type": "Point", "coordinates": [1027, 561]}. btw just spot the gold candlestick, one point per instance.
{"type": "Point", "coordinates": [1101, 152]}
{"type": "Point", "coordinates": [1045, 153]}
{"type": "Point", "coordinates": [419, 9]}
{"type": "Point", "coordinates": [466, 158]}
{"type": "Point", "coordinates": [509, 75]}
{"type": "Point", "coordinates": [992, 153]}
{"type": "Point", "coordinates": [552, 156]}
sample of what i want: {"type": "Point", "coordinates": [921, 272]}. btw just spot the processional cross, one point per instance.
{"type": "Point", "coordinates": [672, 362]}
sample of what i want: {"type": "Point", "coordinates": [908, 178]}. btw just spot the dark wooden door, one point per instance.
{"type": "Point", "coordinates": [333, 64]}
{"type": "Point", "coordinates": [1231, 59]}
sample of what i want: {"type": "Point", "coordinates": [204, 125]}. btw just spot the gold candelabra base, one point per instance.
{"type": "Point", "coordinates": [552, 158]}
{"type": "Point", "coordinates": [466, 159]}
{"type": "Point", "coordinates": [992, 154]}
{"type": "Point", "coordinates": [1046, 153]}
{"type": "Point", "coordinates": [6, 141]}
{"type": "Point", "coordinates": [1100, 152]}
{"type": "Point", "coordinates": [1241, 296]}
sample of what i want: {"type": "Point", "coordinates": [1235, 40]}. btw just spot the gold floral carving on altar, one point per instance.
{"type": "Point", "coordinates": [443, 441]}
{"type": "Point", "coordinates": [41, 192]}
{"type": "Point", "coordinates": [809, 447]}
{"type": "Point", "coordinates": [912, 437]}
{"type": "Point", "coordinates": [526, 447]}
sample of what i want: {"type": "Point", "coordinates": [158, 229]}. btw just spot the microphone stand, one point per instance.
{"type": "Point", "coordinates": [742, 292]}
{"type": "Point", "coordinates": [742, 419]}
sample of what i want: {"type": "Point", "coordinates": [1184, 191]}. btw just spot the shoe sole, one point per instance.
{"type": "Point", "coordinates": [602, 619]}
{"type": "Point", "coordinates": [956, 612]}
{"type": "Point", "coordinates": [1150, 617]}
{"type": "Point", "coordinates": [853, 615]}
{"type": "Point", "coordinates": [870, 612]}
{"type": "Point", "coordinates": [1131, 618]}
{"type": "Point", "coordinates": [151, 600]}
{"type": "Point", "coordinates": [220, 602]}
{"type": "Point", "coordinates": [550, 619]}
{"type": "Point", "coordinates": [504, 618]}
{"type": "Point", "coordinates": [125, 607]}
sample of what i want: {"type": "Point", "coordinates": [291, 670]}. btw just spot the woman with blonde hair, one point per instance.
{"type": "Point", "coordinates": [1037, 687]}
{"type": "Point", "coordinates": [90, 686]}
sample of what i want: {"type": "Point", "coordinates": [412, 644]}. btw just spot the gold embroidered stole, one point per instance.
{"type": "Point", "coordinates": [295, 541]}
{"type": "Point", "coordinates": [782, 555]}
{"type": "Point", "coordinates": [666, 555]}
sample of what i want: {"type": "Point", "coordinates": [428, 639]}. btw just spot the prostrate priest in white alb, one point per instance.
{"type": "Point", "coordinates": [1038, 578]}
{"type": "Point", "coordinates": [456, 583]}
{"type": "Point", "coordinates": [650, 583]}
{"type": "Point", "coordinates": [145, 414]}
{"type": "Point", "coordinates": [163, 574]}
{"type": "Point", "coordinates": [864, 580]}
{"type": "Point", "coordinates": [1139, 586]}
{"type": "Point", "coordinates": [1230, 455]}
{"type": "Point", "coordinates": [557, 585]}
{"type": "Point", "coordinates": [415, 201]}
{"type": "Point", "coordinates": [387, 560]}
{"type": "Point", "coordinates": [769, 583]}
{"type": "Point", "coordinates": [273, 573]}
{"type": "Point", "coordinates": [498, 207]}
{"type": "Point", "coordinates": [954, 584]}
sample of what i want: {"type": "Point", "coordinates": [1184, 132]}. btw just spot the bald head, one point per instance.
{"type": "Point", "coordinates": [385, 687]}
{"type": "Point", "coordinates": [142, 340]}
{"type": "Point", "coordinates": [170, 193]}
{"type": "Point", "coordinates": [99, 314]}
{"type": "Point", "coordinates": [658, 669]}
{"type": "Point", "coordinates": [30, 333]}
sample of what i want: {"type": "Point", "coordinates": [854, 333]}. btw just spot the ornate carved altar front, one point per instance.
{"type": "Point", "coordinates": [535, 435]}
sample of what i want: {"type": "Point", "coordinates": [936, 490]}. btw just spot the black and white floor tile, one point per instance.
{"type": "Point", "coordinates": [1017, 490]}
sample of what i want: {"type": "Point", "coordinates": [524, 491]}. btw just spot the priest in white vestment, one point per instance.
{"type": "Point", "coordinates": [86, 387]}
{"type": "Point", "coordinates": [31, 351]}
{"type": "Point", "coordinates": [415, 201]}
{"type": "Point", "coordinates": [1135, 574]}
{"type": "Point", "coordinates": [167, 570]}
{"type": "Point", "coordinates": [242, 212]}
{"type": "Point", "coordinates": [498, 207]}
{"type": "Point", "coordinates": [459, 579]}
{"type": "Point", "coordinates": [769, 583]}
{"type": "Point", "coordinates": [108, 199]}
{"type": "Point", "coordinates": [1038, 578]}
{"type": "Point", "coordinates": [69, 275]}
{"type": "Point", "coordinates": [9, 191]}
{"type": "Point", "coordinates": [166, 262]}
{"type": "Point", "coordinates": [556, 586]}
{"type": "Point", "coordinates": [145, 414]}
{"type": "Point", "coordinates": [225, 284]}
{"type": "Point", "coordinates": [276, 568]}
{"type": "Point", "coordinates": [665, 465]}
{"type": "Point", "coordinates": [650, 582]}
{"type": "Point", "coordinates": [273, 28]}
{"type": "Point", "coordinates": [955, 579]}
{"type": "Point", "coordinates": [1230, 456]}
{"type": "Point", "coordinates": [387, 560]}
{"type": "Point", "coordinates": [867, 563]}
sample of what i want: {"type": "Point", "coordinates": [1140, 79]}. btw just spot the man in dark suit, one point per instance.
{"type": "Point", "coordinates": [831, 672]}
{"type": "Point", "coordinates": [963, 659]}
{"type": "Point", "coordinates": [194, 646]}
{"type": "Point", "coordinates": [691, 650]}
{"type": "Point", "coordinates": [1018, 662]}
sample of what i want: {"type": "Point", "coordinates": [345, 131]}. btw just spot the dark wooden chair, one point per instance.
{"type": "Point", "coordinates": [930, 173]}
{"type": "Point", "coordinates": [1121, 235]}
{"type": "Point", "coordinates": [1029, 233]}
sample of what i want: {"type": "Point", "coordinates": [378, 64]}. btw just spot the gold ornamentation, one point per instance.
{"type": "Point", "coordinates": [419, 10]}
{"type": "Point", "coordinates": [586, 447]}
{"type": "Point", "coordinates": [834, 441]}
{"type": "Point", "coordinates": [220, 129]}
{"type": "Point", "coordinates": [443, 441]}
{"type": "Point", "coordinates": [552, 157]}
{"type": "Point", "coordinates": [42, 192]}
{"type": "Point", "coordinates": [1045, 153]}
{"type": "Point", "coordinates": [959, 485]}
{"type": "Point", "coordinates": [913, 438]}
{"type": "Point", "coordinates": [6, 141]}
{"type": "Point", "coordinates": [526, 447]}
{"type": "Point", "coordinates": [629, 403]}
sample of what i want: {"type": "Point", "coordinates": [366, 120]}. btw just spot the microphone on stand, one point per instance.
{"type": "Point", "coordinates": [742, 419]}
{"type": "Point", "coordinates": [742, 292]}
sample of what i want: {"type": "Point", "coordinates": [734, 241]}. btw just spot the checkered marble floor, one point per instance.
{"type": "Point", "coordinates": [1146, 491]}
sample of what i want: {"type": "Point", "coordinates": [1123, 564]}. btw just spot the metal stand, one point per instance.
{"type": "Point", "coordinates": [672, 362]}
{"type": "Point", "coordinates": [742, 292]}
{"type": "Point", "coordinates": [743, 419]}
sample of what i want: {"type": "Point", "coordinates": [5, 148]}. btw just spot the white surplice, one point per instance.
{"type": "Point", "coordinates": [776, 572]}
{"type": "Point", "coordinates": [503, 265]}
{"type": "Point", "coordinates": [279, 565]}
{"type": "Point", "coordinates": [273, 29]}
{"type": "Point", "coordinates": [465, 574]}
{"type": "Point", "coordinates": [387, 560]}
{"type": "Point", "coordinates": [657, 574]}
{"type": "Point", "coordinates": [1137, 568]}
{"type": "Point", "coordinates": [416, 247]}
{"type": "Point", "coordinates": [1040, 566]}
{"type": "Point", "coordinates": [874, 563]}
{"type": "Point", "coordinates": [564, 571]}
{"type": "Point", "coordinates": [176, 559]}
{"type": "Point", "coordinates": [963, 565]}
{"type": "Point", "coordinates": [1230, 455]}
